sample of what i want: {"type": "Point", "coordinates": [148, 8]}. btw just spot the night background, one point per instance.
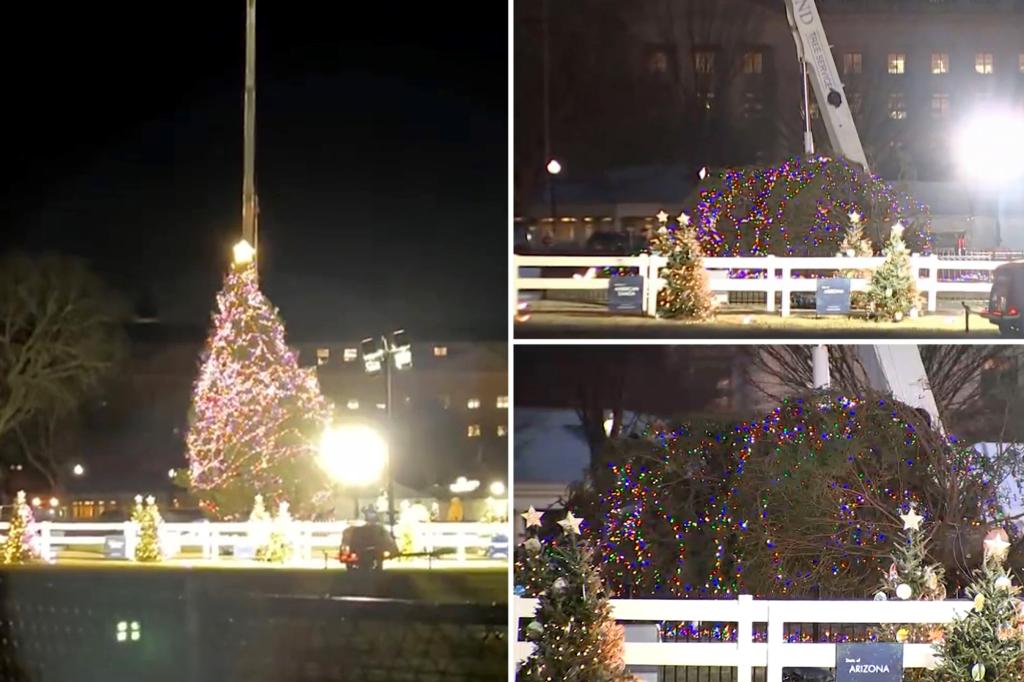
{"type": "Point", "coordinates": [380, 157]}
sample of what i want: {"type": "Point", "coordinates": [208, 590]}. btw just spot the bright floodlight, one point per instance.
{"type": "Point", "coordinates": [78, 470]}
{"type": "Point", "coordinates": [353, 454]}
{"type": "Point", "coordinates": [243, 252]}
{"type": "Point", "coordinates": [554, 167]}
{"type": "Point", "coordinates": [497, 488]}
{"type": "Point", "coordinates": [990, 147]}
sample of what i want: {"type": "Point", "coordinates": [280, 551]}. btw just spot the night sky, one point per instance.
{"type": "Point", "coordinates": [381, 156]}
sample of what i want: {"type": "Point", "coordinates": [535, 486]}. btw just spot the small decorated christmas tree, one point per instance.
{"type": "Point", "coordinates": [573, 633]}
{"type": "Point", "coordinates": [20, 544]}
{"type": "Point", "coordinates": [148, 519]}
{"type": "Point", "coordinates": [856, 245]}
{"type": "Point", "coordinates": [986, 644]}
{"type": "Point", "coordinates": [531, 570]}
{"type": "Point", "coordinates": [259, 524]}
{"type": "Point", "coordinates": [279, 545]}
{"type": "Point", "coordinates": [891, 293]}
{"type": "Point", "coordinates": [686, 292]}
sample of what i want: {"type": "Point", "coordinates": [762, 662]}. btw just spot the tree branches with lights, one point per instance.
{"type": "Point", "coordinates": [256, 415]}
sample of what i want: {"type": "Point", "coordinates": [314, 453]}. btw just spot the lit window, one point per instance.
{"type": "Point", "coordinates": [473, 404]}
{"type": "Point", "coordinates": [658, 62]}
{"type": "Point", "coordinates": [752, 105]}
{"type": "Point", "coordinates": [382, 406]}
{"type": "Point", "coordinates": [897, 107]}
{"type": "Point", "coordinates": [352, 404]}
{"type": "Point", "coordinates": [1020, 62]}
{"type": "Point", "coordinates": [704, 61]}
{"type": "Point", "coordinates": [473, 431]}
{"type": "Point", "coordinates": [983, 63]}
{"type": "Point", "coordinates": [897, 63]}
{"type": "Point", "coordinates": [940, 63]}
{"type": "Point", "coordinates": [440, 351]}
{"type": "Point", "coordinates": [940, 105]}
{"type": "Point", "coordinates": [502, 403]}
{"type": "Point", "coordinates": [502, 431]}
{"type": "Point", "coordinates": [351, 354]}
{"type": "Point", "coordinates": [753, 62]}
{"type": "Point", "coordinates": [446, 401]}
{"type": "Point", "coordinates": [853, 63]}
{"type": "Point", "coordinates": [322, 356]}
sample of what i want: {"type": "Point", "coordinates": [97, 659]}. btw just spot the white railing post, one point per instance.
{"type": "Point", "coordinates": [643, 269]}
{"type": "Point", "coordinates": [744, 638]}
{"type": "Point", "coordinates": [933, 283]}
{"type": "Point", "coordinates": [130, 539]}
{"type": "Point", "coordinates": [44, 541]}
{"type": "Point", "coordinates": [515, 284]}
{"type": "Point", "coordinates": [652, 276]}
{"type": "Point", "coordinates": [770, 292]}
{"type": "Point", "coordinates": [775, 643]}
{"type": "Point", "coordinates": [784, 288]}
{"type": "Point", "coordinates": [460, 546]}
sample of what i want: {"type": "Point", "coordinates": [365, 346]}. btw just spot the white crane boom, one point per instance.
{"type": "Point", "coordinates": [813, 50]}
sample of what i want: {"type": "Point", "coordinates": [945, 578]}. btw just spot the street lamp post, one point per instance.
{"type": "Point", "coordinates": [379, 355]}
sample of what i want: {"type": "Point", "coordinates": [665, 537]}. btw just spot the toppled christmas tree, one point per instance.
{"type": "Point", "coordinates": [147, 547]}
{"type": "Point", "coordinates": [573, 633]}
{"type": "Point", "coordinates": [987, 643]}
{"type": "Point", "coordinates": [685, 292]}
{"type": "Point", "coordinates": [279, 545]}
{"type": "Point", "coordinates": [891, 293]}
{"type": "Point", "coordinates": [20, 544]}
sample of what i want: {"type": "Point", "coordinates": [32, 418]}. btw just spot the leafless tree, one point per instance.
{"type": "Point", "coordinates": [60, 335]}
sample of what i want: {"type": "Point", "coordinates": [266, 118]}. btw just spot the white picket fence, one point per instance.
{"type": "Point", "coordinates": [310, 538]}
{"type": "Point", "coordinates": [768, 274]}
{"type": "Point", "coordinates": [745, 654]}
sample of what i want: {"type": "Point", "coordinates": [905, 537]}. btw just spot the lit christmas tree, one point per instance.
{"type": "Point", "coordinates": [532, 559]}
{"type": "Point", "coordinates": [574, 635]}
{"type": "Point", "coordinates": [255, 413]}
{"type": "Point", "coordinates": [279, 545]}
{"type": "Point", "coordinates": [686, 292]}
{"type": "Point", "coordinates": [855, 244]}
{"type": "Point", "coordinates": [259, 525]}
{"type": "Point", "coordinates": [891, 293]}
{"type": "Point", "coordinates": [20, 545]}
{"type": "Point", "coordinates": [148, 519]}
{"type": "Point", "coordinates": [987, 643]}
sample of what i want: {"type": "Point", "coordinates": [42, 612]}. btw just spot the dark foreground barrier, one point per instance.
{"type": "Point", "coordinates": [223, 625]}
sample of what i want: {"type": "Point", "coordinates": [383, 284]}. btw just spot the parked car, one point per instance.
{"type": "Point", "coordinates": [1006, 299]}
{"type": "Point", "coordinates": [366, 546]}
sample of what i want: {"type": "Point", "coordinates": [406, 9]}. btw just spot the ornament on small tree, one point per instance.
{"type": "Point", "coordinates": [147, 547]}
{"type": "Point", "coordinates": [531, 569]}
{"type": "Point", "coordinates": [686, 292]}
{"type": "Point", "coordinates": [573, 633]}
{"type": "Point", "coordinates": [21, 545]}
{"type": "Point", "coordinates": [891, 293]}
{"type": "Point", "coordinates": [986, 644]}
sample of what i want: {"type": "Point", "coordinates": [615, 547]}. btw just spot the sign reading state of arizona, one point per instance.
{"type": "Point", "coordinates": [878, 662]}
{"type": "Point", "coordinates": [833, 296]}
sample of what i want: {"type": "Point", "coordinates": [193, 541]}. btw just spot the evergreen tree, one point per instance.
{"type": "Point", "coordinates": [255, 413]}
{"type": "Point", "coordinates": [148, 519]}
{"type": "Point", "coordinates": [279, 545]}
{"type": "Point", "coordinates": [259, 525]}
{"type": "Point", "coordinates": [532, 567]}
{"type": "Point", "coordinates": [685, 292]}
{"type": "Point", "coordinates": [891, 293]}
{"type": "Point", "coordinates": [19, 546]}
{"type": "Point", "coordinates": [574, 635]}
{"type": "Point", "coordinates": [855, 244]}
{"type": "Point", "coordinates": [986, 644]}
{"type": "Point", "coordinates": [911, 575]}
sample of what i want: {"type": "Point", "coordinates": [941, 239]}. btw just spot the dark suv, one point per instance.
{"type": "Point", "coordinates": [366, 547]}
{"type": "Point", "coordinates": [1006, 299]}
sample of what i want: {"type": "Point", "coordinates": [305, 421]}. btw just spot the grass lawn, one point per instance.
{"type": "Point", "coordinates": [568, 319]}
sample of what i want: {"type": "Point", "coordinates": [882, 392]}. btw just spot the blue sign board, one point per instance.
{"type": "Point", "coordinates": [626, 294]}
{"type": "Point", "coordinates": [833, 296]}
{"type": "Point", "coordinates": [872, 662]}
